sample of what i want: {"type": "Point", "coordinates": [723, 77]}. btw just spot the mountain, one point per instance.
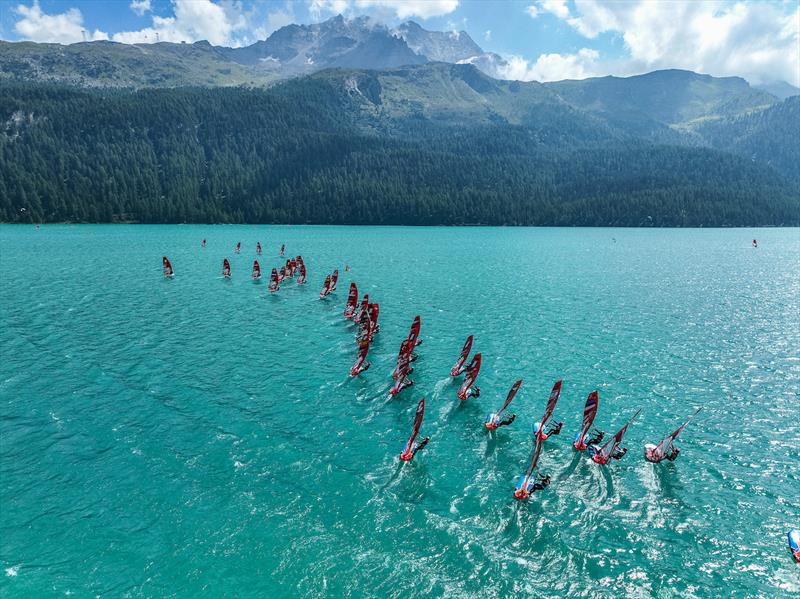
{"type": "Point", "coordinates": [768, 136]}
{"type": "Point", "coordinates": [347, 121]}
{"type": "Point", "coordinates": [779, 89]}
{"type": "Point", "coordinates": [670, 97]}
{"type": "Point", "coordinates": [337, 42]}
{"type": "Point", "coordinates": [109, 64]}
{"type": "Point", "coordinates": [426, 144]}
{"type": "Point", "coordinates": [438, 46]}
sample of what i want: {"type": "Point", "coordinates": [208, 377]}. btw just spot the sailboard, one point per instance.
{"type": "Point", "coordinates": [589, 412]}
{"type": "Point", "coordinates": [408, 451]}
{"type": "Point", "coordinates": [360, 365]}
{"type": "Point", "coordinates": [665, 447]}
{"type": "Point", "coordinates": [352, 301]}
{"type": "Point", "coordinates": [326, 287]}
{"type": "Point", "coordinates": [607, 451]}
{"type": "Point", "coordinates": [472, 373]}
{"type": "Point", "coordinates": [526, 482]}
{"type": "Point", "coordinates": [458, 367]}
{"type": "Point", "coordinates": [274, 281]}
{"type": "Point", "coordinates": [493, 419]}
{"type": "Point", "coordinates": [167, 266]}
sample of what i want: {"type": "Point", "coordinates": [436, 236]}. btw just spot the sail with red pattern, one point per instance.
{"type": "Point", "coordinates": [274, 281]}
{"type": "Point", "coordinates": [168, 272]}
{"type": "Point", "coordinates": [458, 367]}
{"type": "Point", "coordinates": [472, 373]}
{"type": "Point", "coordinates": [352, 301]}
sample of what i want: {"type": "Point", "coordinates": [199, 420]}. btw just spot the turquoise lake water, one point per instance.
{"type": "Point", "coordinates": [198, 437]}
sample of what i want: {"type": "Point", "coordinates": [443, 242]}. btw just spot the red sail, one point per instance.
{"type": "Point", "coordinates": [226, 268]}
{"type": "Point", "coordinates": [509, 397]}
{"type": "Point", "coordinates": [326, 287]}
{"type": "Point", "coordinates": [665, 447]}
{"type": "Point", "coordinates": [607, 450]}
{"type": "Point", "coordinates": [374, 311]}
{"type": "Point", "coordinates": [274, 281]}
{"type": "Point", "coordinates": [472, 373]}
{"type": "Point", "coordinates": [258, 248]}
{"type": "Point", "coordinates": [458, 366]}
{"type": "Point", "coordinates": [413, 335]}
{"type": "Point", "coordinates": [403, 358]}
{"type": "Point", "coordinates": [334, 279]}
{"type": "Point", "coordinates": [589, 412]}
{"type": "Point", "coordinates": [537, 451]}
{"type": "Point", "coordinates": [302, 276]}
{"type": "Point", "coordinates": [417, 425]}
{"type": "Point", "coordinates": [283, 248]}
{"type": "Point", "coordinates": [352, 301]}
{"type": "Point", "coordinates": [238, 247]}
{"type": "Point", "coordinates": [358, 366]}
{"type": "Point", "coordinates": [168, 272]}
{"type": "Point", "coordinates": [363, 310]}
{"type": "Point", "coordinates": [551, 404]}
{"type": "Point", "coordinates": [256, 270]}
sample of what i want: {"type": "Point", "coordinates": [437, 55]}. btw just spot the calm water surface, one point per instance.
{"type": "Point", "coordinates": [199, 437]}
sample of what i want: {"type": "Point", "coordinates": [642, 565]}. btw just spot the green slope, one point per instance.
{"type": "Point", "coordinates": [315, 150]}
{"type": "Point", "coordinates": [771, 136]}
{"type": "Point", "coordinates": [109, 64]}
{"type": "Point", "coordinates": [670, 97]}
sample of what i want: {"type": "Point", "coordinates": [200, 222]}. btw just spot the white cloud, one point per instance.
{"type": "Point", "coordinates": [140, 6]}
{"type": "Point", "coordinates": [404, 9]}
{"type": "Point", "coordinates": [487, 35]}
{"type": "Point", "coordinates": [63, 28]}
{"type": "Point", "coordinates": [552, 67]}
{"type": "Point", "coordinates": [319, 9]}
{"type": "Point", "coordinates": [279, 18]}
{"type": "Point", "coordinates": [758, 41]}
{"type": "Point", "coordinates": [275, 20]}
{"type": "Point", "coordinates": [557, 7]}
{"type": "Point", "coordinates": [194, 20]}
{"type": "Point", "coordinates": [400, 9]}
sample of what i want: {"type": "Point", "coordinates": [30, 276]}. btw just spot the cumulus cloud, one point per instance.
{"type": "Point", "coordinates": [275, 19]}
{"type": "Point", "coordinates": [552, 67]}
{"type": "Point", "coordinates": [323, 8]}
{"type": "Point", "coordinates": [557, 7]}
{"type": "Point", "coordinates": [401, 9]}
{"type": "Point", "coordinates": [758, 41]}
{"type": "Point", "coordinates": [404, 9]}
{"type": "Point", "coordinates": [140, 6]}
{"type": "Point", "coordinates": [62, 28]}
{"type": "Point", "coordinates": [217, 22]}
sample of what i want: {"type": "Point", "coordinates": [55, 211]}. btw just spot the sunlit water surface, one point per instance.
{"type": "Point", "coordinates": [200, 437]}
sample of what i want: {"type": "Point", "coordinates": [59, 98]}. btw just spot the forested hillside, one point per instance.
{"type": "Point", "coordinates": [340, 148]}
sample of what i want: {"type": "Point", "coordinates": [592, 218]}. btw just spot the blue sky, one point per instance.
{"type": "Point", "coordinates": [541, 39]}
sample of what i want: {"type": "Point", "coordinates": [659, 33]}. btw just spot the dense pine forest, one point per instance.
{"type": "Point", "coordinates": [312, 151]}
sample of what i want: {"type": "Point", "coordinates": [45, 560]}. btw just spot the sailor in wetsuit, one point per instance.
{"type": "Point", "coordinates": [540, 482]}
{"type": "Point", "coordinates": [492, 424]}
{"type": "Point", "coordinates": [409, 455]}
{"type": "Point", "coordinates": [651, 455]}
{"type": "Point", "coordinates": [473, 392]}
{"type": "Point", "coordinates": [554, 429]}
